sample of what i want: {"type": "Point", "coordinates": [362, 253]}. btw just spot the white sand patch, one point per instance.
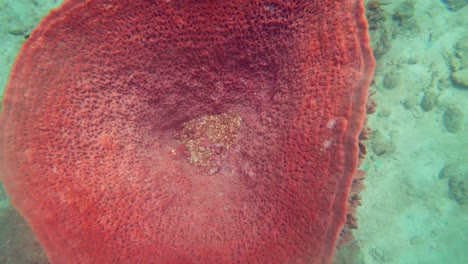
{"type": "Point", "coordinates": [407, 214]}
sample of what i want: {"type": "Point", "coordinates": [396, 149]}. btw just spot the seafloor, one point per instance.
{"type": "Point", "coordinates": [415, 205]}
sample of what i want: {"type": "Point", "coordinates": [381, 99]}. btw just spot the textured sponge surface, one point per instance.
{"type": "Point", "coordinates": [187, 131]}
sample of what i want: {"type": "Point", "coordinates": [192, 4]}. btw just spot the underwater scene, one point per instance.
{"type": "Point", "coordinates": [248, 131]}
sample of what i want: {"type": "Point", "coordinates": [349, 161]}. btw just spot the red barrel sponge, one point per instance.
{"type": "Point", "coordinates": [187, 131]}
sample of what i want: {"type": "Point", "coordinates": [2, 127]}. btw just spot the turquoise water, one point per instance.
{"type": "Point", "coordinates": [415, 205]}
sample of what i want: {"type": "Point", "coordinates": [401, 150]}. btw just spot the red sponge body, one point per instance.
{"type": "Point", "coordinates": [97, 155]}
